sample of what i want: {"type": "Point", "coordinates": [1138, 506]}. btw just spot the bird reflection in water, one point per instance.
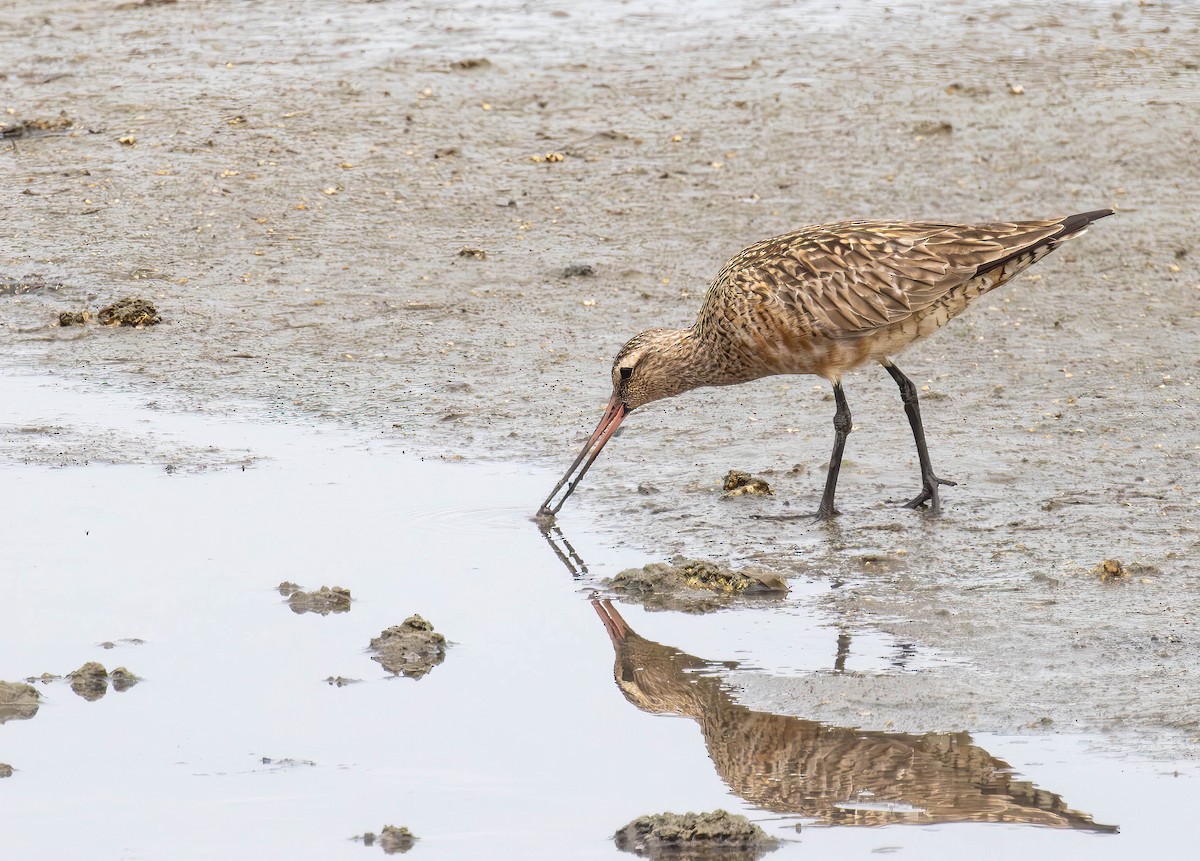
{"type": "Point", "coordinates": [835, 775]}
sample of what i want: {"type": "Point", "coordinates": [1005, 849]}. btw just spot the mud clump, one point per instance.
{"type": "Point", "coordinates": [18, 701]}
{"type": "Point", "coordinates": [395, 840]}
{"type": "Point", "coordinates": [412, 648]}
{"type": "Point", "coordinates": [74, 318]}
{"type": "Point", "coordinates": [692, 585]}
{"type": "Point", "coordinates": [744, 484]}
{"type": "Point", "coordinates": [470, 63]}
{"type": "Point", "coordinates": [122, 680]}
{"type": "Point", "coordinates": [22, 128]}
{"type": "Point", "coordinates": [473, 253]}
{"type": "Point", "coordinates": [1115, 570]}
{"type": "Point", "coordinates": [391, 839]}
{"type": "Point", "coordinates": [578, 270]}
{"type": "Point", "coordinates": [325, 600]}
{"type": "Point", "coordinates": [129, 312]}
{"type": "Point", "coordinates": [19, 286]}
{"type": "Point", "coordinates": [6, 770]}
{"type": "Point", "coordinates": [695, 837]}
{"type": "Point", "coordinates": [90, 681]}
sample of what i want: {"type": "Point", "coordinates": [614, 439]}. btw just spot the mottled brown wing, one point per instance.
{"type": "Point", "coordinates": [844, 280]}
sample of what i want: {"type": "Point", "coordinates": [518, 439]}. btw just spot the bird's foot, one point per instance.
{"type": "Point", "coordinates": [929, 493]}
{"type": "Point", "coordinates": [826, 513]}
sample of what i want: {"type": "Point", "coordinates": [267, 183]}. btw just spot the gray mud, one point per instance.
{"type": "Point", "coordinates": [411, 648]}
{"type": "Point", "coordinates": [695, 837]}
{"type": "Point", "coordinates": [296, 208]}
{"type": "Point", "coordinates": [693, 585]}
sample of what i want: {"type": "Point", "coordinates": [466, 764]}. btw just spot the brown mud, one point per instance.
{"type": "Point", "coordinates": [296, 209]}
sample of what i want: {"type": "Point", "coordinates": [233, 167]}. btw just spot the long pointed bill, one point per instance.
{"type": "Point", "coordinates": [614, 414]}
{"type": "Point", "coordinates": [613, 623]}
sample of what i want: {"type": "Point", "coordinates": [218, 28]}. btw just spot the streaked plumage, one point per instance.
{"type": "Point", "coordinates": [824, 300]}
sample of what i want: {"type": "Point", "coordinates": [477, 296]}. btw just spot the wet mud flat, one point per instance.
{"type": "Point", "coordinates": [304, 250]}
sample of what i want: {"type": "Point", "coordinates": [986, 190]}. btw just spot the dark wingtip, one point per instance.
{"type": "Point", "coordinates": [1075, 223]}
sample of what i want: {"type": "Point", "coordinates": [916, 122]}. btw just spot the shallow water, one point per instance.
{"type": "Point", "coordinates": [518, 745]}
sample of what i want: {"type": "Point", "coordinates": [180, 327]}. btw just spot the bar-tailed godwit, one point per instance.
{"type": "Point", "coordinates": [824, 300]}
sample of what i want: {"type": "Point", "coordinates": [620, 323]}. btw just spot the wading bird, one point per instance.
{"type": "Point", "coordinates": [824, 300]}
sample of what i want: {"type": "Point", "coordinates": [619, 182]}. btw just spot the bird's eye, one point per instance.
{"type": "Point", "coordinates": [626, 373]}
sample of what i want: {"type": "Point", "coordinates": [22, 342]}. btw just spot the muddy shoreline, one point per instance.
{"type": "Point", "coordinates": [292, 185]}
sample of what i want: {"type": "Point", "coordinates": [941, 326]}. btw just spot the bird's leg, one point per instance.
{"type": "Point", "coordinates": [841, 430]}
{"type": "Point", "coordinates": [929, 481]}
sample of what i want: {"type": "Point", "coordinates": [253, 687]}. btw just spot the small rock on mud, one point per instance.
{"type": "Point", "coordinates": [6, 770]}
{"type": "Point", "coordinates": [1115, 569]}
{"type": "Point", "coordinates": [412, 648]}
{"type": "Point", "coordinates": [90, 681]}
{"type": "Point", "coordinates": [692, 585]}
{"type": "Point", "coordinates": [17, 701]}
{"type": "Point", "coordinates": [578, 270]}
{"type": "Point", "coordinates": [694, 837]}
{"type": "Point", "coordinates": [476, 253]}
{"type": "Point", "coordinates": [325, 600]}
{"type": "Point", "coordinates": [129, 312]}
{"type": "Point", "coordinates": [744, 484]}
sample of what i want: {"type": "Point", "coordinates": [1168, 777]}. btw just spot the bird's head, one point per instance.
{"type": "Point", "coordinates": [651, 366]}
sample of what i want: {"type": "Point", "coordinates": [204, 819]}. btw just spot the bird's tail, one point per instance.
{"type": "Point", "coordinates": [1076, 225]}
{"type": "Point", "coordinates": [1022, 258]}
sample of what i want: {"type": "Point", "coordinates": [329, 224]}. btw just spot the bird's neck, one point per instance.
{"type": "Point", "coordinates": [712, 359]}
